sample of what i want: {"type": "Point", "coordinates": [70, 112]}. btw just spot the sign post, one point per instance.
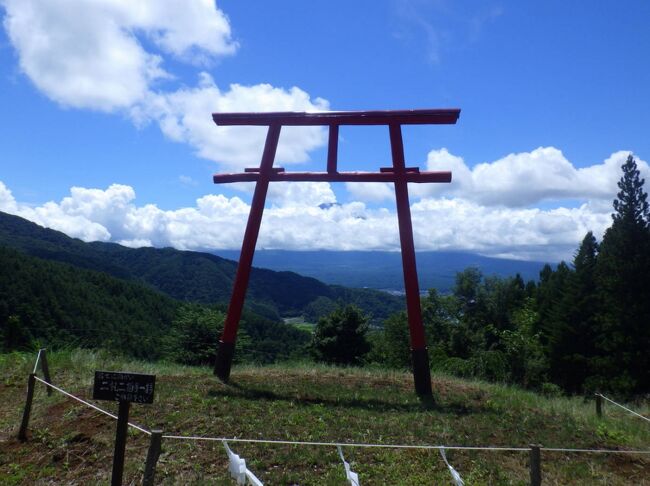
{"type": "Point", "coordinates": [120, 443]}
{"type": "Point", "coordinates": [124, 388]}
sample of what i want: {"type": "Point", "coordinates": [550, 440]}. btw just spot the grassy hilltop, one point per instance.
{"type": "Point", "coordinates": [72, 444]}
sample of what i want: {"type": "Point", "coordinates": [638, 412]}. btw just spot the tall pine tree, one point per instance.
{"type": "Point", "coordinates": [572, 347]}
{"type": "Point", "coordinates": [623, 278]}
{"type": "Point", "coordinates": [550, 293]}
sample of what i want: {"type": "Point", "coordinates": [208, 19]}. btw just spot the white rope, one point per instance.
{"type": "Point", "coordinates": [624, 408]}
{"type": "Point", "coordinates": [343, 444]}
{"type": "Point", "coordinates": [38, 357]}
{"type": "Point", "coordinates": [90, 405]}
{"type": "Point", "coordinates": [399, 446]}
{"type": "Point", "coordinates": [596, 451]}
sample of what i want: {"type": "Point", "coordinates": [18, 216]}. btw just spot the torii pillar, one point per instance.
{"type": "Point", "coordinates": [398, 174]}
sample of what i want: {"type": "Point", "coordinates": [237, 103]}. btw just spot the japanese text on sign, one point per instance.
{"type": "Point", "coordinates": [127, 387]}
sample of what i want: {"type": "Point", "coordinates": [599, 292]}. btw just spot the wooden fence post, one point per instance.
{"type": "Point", "coordinates": [152, 457]}
{"type": "Point", "coordinates": [46, 370]}
{"type": "Point", "coordinates": [120, 442]}
{"type": "Point", "coordinates": [535, 465]}
{"type": "Point", "coordinates": [599, 405]}
{"type": "Point", "coordinates": [22, 434]}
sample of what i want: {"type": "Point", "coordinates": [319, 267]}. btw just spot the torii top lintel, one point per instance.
{"type": "Point", "coordinates": [378, 117]}
{"type": "Point", "coordinates": [334, 119]}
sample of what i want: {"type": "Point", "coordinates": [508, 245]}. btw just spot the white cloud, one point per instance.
{"type": "Point", "coordinates": [185, 116]}
{"type": "Point", "coordinates": [553, 234]}
{"type": "Point", "coordinates": [526, 178]}
{"type": "Point", "coordinates": [309, 194]}
{"type": "Point", "coordinates": [516, 180]}
{"type": "Point", "coordinates": [93, 55]}
{"type": "Point", "coordinates": [7, 201]}
{"type": "Point", "coordinates": [186, 29]}
{"type": "Point", "coordinates": [87, 54]}
{"type": "Point", "coordinates": [135, 243]}
{"type": "Point", "coordinates": [371, 191]}
{"type": "Point", "coordinates": [297, 222]}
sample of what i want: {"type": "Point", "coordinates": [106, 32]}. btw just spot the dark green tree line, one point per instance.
{"type": "Point", "coordinates": [340, 337]}
{"type": "Point", "coordinates": [582, 327]}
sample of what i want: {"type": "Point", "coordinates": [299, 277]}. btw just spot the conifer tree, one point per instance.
{"type": "Point", "coordinates": [623, 277]}
{"type": "Point", "coordinates": [550, 293]}
{"type": "Point", "coordinates": [573, 347]}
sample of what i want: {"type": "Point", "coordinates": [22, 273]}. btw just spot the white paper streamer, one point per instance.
{"type": "Point", "coordinates": [454, 474]}
{"type": "Point", "coordinates": [349, 474]}
{"type": "Point", "coordinates": [253, 479]}
{"type": "Point", "coordinates": [238, 469]}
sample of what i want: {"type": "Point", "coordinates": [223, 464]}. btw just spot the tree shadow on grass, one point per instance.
{"type": "Point", "coordinates": [237, 390]}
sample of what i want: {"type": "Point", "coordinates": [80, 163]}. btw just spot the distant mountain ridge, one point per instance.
{"type": "Point", "coordinates": [187, 275]}
{"type": "Point", "coordinates": [383, 269]}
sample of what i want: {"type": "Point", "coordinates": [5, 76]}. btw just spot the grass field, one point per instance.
{"type": "Point", "coordinates": [300, 323]}
{"type": "Point", "coordinates": [72, 444]}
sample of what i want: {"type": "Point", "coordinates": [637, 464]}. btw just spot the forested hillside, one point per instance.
{"type": "Point", "coordinates": [151, 303]}
{"type": "Point", "coordinates": [190, 276]}
{"type": "Point", "coordinates": [59, 304]}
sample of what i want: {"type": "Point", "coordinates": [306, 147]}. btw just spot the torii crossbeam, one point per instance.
{"type": "Point", "coordinates": [398, 174]}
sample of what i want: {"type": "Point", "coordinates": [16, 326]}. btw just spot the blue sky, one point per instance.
{"type": "Point", "coordinates": [106, 130]}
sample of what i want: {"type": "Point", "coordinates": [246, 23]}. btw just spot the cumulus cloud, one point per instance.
{"type": "Point", "coordinates": [185, 116]}
{"type": "Point", "coordinates": [526, 178]}
{"type": "Point", "coordinates": [371, 191]}
{"type": "Point", "coordinates": [308, 220]}
{"type": "Point", "coordinates": [7, 201]}
{"type": "Point", "coordinates": [544, 173]}
{"type": "Point", "coordinates": [514, 232]}
{"type": "Point", "coordinates": [89, 54]}
{"type": "Point", "coordinates": [109, 56]}
{"type": "Point", "coordinates": [308, 194]}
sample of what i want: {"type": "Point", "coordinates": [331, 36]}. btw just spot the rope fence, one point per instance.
{"type": "Point", "coordinates": [400, 446]}
{"type": "Point", "coordinates": [345, 444]}
{"type": "Point", "coordinates": [88, 404]}
{"type": "Point", "coordinates": [38, 358]}
{"type": "Point", "coordinates": [156, 437]}
{"type": "Point", "coordinates": [595, 451]}
{"type": "Point", "coordinates": [623, 407]}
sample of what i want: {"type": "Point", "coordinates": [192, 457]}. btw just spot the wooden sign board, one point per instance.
{"type": "Point", "coordinates": [124, 387]}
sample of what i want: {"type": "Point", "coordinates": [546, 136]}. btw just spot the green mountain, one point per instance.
{"type": "Point", "coordinates": [192, 276]}
{"type": "Point", "coordinates": [59, 304]}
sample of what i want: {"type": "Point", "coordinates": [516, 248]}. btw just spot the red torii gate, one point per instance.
{"type": "Point", "coordinates": [398, 174]}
